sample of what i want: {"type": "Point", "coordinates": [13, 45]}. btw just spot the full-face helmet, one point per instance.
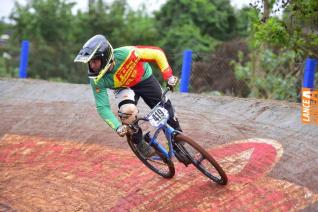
{"type": "Point", "coordinates": [96, 47]}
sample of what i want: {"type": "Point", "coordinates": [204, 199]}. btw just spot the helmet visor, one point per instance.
{"type": "Point", "coordinates": [86, 54]}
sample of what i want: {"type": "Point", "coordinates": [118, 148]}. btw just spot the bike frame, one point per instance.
{"type": "Point", "coordinates": [165, 127]}
{"type": "Point", "coordinates": [169, 133]}
{"type": "Point", "coordinates": [158, 118]}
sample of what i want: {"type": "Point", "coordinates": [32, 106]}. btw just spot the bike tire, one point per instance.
{"type": "Point", "coordinates": [166, 162]}
{"type": "Point", "coordinates": [189, 146]}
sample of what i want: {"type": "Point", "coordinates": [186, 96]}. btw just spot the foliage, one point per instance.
{"type": "Point", "coordinates": [297, 30]}
{"type": "Point", "coordinates": [3, 26]}
{"type": "Point", "coordinates": [56, 39]}
{"type": "Point", "coordinates": [245, 16]}
{"type": "Point", "coordinates": [275, 77]}
{"type": "Point", "coordinates": [272, 32]}
{"type": "Point", "coordinates": [49, 37]}
{"type": "Point", "coordinates": [278, 47]}
{"type": "Point", "coordinates": [214, 18]}
{"type": "Point", "coordinates": [139, 29]}
{"type": "Point", "coordinates": [56, 33]}
{"type": "Point", "coordinates": [276, 44]}
{"type": "Point", "coordinates": [198, 25]}
{"type": "Point", "coordinates": [185, 37]}
{"type": "Point", "coordinates": [7, 52]}
{"type": "Point", "coordinates": [6, 70]}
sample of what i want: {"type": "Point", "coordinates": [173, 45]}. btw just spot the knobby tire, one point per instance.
{"type": "Point", "coordinates": [166, 174]}
{"type": "Point", "coordinates": [221, 178]}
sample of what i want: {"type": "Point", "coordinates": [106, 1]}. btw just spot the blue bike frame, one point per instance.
{"type": "Point", "coordinates": [167, 129]}
{"type": "Point", "coordinates": [169, 132]}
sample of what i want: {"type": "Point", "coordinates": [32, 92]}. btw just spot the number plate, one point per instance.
{"type": "Point", "coordinates": [158, 116]}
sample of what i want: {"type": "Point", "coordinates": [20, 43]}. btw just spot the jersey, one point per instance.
{"type": "Point", "coordinates": [131, 67]}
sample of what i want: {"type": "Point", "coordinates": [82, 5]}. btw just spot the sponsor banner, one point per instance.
{"type": "Point", "coordinates": [309, 111]}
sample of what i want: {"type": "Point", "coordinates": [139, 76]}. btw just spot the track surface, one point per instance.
{"type": "Point", "coordinates": [56, 154]}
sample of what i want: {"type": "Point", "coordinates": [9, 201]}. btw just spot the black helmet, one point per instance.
{"type": "Point", "coordinates": [96, 47]}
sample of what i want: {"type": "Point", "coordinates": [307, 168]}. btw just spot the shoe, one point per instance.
{"type": "Point", "coordinates": [145, 149]}
{"type": "Point", "coordinates": [137, 136]}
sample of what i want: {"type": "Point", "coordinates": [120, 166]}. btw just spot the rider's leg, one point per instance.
{"type": "Point", "coordinates": [150, 91]}
{"type": "Point", "coordinates": [127, 112]}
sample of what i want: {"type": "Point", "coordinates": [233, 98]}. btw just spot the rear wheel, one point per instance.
{"type": "Point", "coordinates": [201, 159]}
{"type": "Point", "coordinates": [157, 163]}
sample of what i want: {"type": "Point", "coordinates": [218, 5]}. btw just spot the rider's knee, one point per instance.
{"type": "Point", "coordinates": [126, 104]}
{"type": "Point", "coordinates": [128, 113]}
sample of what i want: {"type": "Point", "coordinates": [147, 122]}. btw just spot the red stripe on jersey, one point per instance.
{"type": "Point", "coordinates": [167, 73]}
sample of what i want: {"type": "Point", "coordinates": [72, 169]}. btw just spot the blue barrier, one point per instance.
{"type": "Point", "coordinates": [24, 59]}
{"type": "Point", "coordinates": [186, 71]}
{"type": "Point", "coordinates": [309, 73]}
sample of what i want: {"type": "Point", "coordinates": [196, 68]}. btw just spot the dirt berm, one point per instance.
{"type": "Point", "coordinates": [56, 154]}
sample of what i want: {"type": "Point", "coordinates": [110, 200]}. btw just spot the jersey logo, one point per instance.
{"type": "Point", "coordinates": [127, 73]}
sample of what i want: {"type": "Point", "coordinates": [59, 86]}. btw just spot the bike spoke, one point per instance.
{"type": "Point", "coordinates": [157, 161]}
{"type": "Point", "coordinates": [202, 160]}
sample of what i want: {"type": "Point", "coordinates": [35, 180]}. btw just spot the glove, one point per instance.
{"type": "Point", "coordinates": [122, 130]}
{"type": "Point", "coordinates": [172, 82]}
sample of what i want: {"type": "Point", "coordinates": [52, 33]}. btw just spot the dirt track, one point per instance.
{"type": "Point", "coordinates": [57, 154]}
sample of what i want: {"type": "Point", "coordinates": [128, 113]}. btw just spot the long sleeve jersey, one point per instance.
{"type": "Point", "coordinates": [131, 67]}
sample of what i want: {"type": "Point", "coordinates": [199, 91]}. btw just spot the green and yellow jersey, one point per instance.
{"type": "Point", "coordinates": [131, 67]}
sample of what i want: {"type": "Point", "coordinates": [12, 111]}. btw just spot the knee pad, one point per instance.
{"type": "Point", "coordinates": [128, 113]}
{"type": "Point", "coordinates": [126, 104]}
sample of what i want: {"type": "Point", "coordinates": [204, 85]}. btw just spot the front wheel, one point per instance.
{"type": "Point", "coordinates": [201, 159]}
{"type": "Point", "coordinates": [157, 163]}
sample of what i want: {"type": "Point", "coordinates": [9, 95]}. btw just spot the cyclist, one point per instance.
{"type": "Point", "coordinates": [126, 70]}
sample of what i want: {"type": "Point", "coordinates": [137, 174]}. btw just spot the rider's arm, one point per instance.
{"type": "Point", "coordinates": [155, 54]}
{"type": "Point", "coordinates": [103, 106]}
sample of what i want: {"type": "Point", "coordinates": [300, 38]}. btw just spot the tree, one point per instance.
{"type": "Point", "coordinates": [183, 37]}
{"type": "Point", "coordinates": [278, 46]}
{"type": "Point", "coordinates": [297, 31]}
{"type": "Point", "coordinates": [117, 22]}
{"type": "Point", "coordinates": [214, 18]}
{"type": "Point", "coordinates": [139, 29]}
{"type": "Point", "coordinates": [198, 25]}
{"type": "Point", "coordinates": [56, 34]}
{"type": "Point", "coordinates": [7, 51]}
{"type": "Point", "coordinates": [48, 25]}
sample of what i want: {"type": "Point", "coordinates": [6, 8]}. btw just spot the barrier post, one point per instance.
{"type": "Point", "coordinates": [309, 97]}
{"type": "Point", "coordinates": [24, 59]}
{"type": "Point", "coordinates": [309, 73]}
{"type": "Point", "coordinates": [186, 71]}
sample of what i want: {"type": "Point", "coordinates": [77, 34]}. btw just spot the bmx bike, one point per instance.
{"type": "Point", "coordinates": [186, 150]}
